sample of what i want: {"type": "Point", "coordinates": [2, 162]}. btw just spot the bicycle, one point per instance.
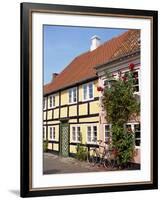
{"type": "Point", "coordinates": [105, 157]}
{"type": "Point", "coordinates": [93, 155]}
{"type": "Point", "coordinates": [109, 159]}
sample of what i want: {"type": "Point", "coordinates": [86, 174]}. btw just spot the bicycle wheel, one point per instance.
{"type": "Point", "coordinates": [107, 163]}
{"type": "Point", "coordinates": [112, 163]}
{"type": "Point", "coordinates": [94, 160]}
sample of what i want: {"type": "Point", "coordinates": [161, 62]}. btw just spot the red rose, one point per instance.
{"type": "Point", "coordinates": [99, 89]}
{"type": "Point", "coordinates": [131, 66]}
{"type": "Point", "coordinates": [124, 78]}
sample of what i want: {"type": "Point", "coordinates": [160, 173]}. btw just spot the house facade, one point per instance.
{"type": "Point", "coordinates": [72, 104]}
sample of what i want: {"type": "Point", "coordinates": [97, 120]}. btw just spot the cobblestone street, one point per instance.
{"type": "Point", "coordinates": [54, 164]}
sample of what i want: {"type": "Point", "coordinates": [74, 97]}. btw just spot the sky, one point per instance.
{"type": "Point", "coordinates": [63, 43]}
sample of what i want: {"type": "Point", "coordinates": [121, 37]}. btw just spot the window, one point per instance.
{"type": "Point", "coordinates": [44, 136]}
{"type": "Point", "coordinates": [88, 91]}
{"type": "Point", "coordinates": [91, 134]}
{"type": "Point", "coordinates": [129, 128]}
{"type": "Point", "coordinates": [44, 103]}
{"type": "Point", "coordinates": [73, 134]}
{"type": "Point", "coordinates": [73, 95]}
{"type": "Point", "coordinates": [136, 81]}
{"type": "Point", "coordinates": [107, 83]}
{"type": "Point", "coordinates": [135, 128]}
{"type": "Point", "coordinates": [84, 92]}
{"type": "Point", "coordinates": [76, 134]}
{"type": "Point", "coordinates": [137, 134]}
{"type": "Point", "coordinates": [52, 133]}
{"type": "Point", "coordinates": [107, 132]}
{"type": "Point", "coordinates": [52, 101]}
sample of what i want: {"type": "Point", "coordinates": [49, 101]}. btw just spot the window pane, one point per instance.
{"type": "Point", "coordinates": [128, 128]}
{"type": "Point", "coordinates": [53, 101]}
{"type": "Point", "coordinates": [89, 134]}
{"type": "Point", "coordinates": [107, 128]}
{"type": "Point", "coordinates": [50, 132]}
{"type": "Point", "coordinates": [44, 103]}
{"type": "Point", "coordinates": [106, 83]}
{"type": "Point", "coordinates": [43, 132]}
{"type": "Point", "coordinates": [137, 127]}
{"type": "Point", "coordinates": [137, 134]}
{"type": "Point", "coordinates": [85, 92]}
{"type": "Point", "coordinates": [106, 135]}
{"type": "Point", "coordinates": [78, 134]}
{"type": "Point", "coordinates": [50, 101]}
{"type": "Point", "coordinates": [107, 132]}
{"type": "Point", "coordinates": [90, 90]}
{"type": "Point", "coordinates": [89, 138]}
{"type": "Point", "coordinates": [135, 82]}
{"type": "Point", "coordinates": [94, 133]}
{"type": "Point", "coordinates": [137, 142]}
{"type": "Point", "coordinates": [73, 134]}
{"type": "Point", "coordinates": [74, 95]}
{"type": "Point", "coordinates": [70, 96]}
{"type": "Point", "coordinates": [136, 88]}
{"type": "Point", "coordinates": [53, 132]}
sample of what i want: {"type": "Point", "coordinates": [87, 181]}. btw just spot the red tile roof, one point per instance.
{"type": "Point", "coordinates": [83, 66]}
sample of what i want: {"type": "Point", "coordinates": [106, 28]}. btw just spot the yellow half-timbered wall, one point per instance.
{"type": "Point", "coordinates": [82, 113]}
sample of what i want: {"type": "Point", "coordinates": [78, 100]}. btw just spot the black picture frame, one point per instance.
{"type": "Point", "coordinates": [26, 88]}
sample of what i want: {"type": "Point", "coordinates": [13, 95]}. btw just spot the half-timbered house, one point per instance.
{"type": "Point", "coordinates": [72, 110]}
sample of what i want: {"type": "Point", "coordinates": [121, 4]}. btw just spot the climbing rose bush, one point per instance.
{"type": "Point", "coordinates": [120, 104]}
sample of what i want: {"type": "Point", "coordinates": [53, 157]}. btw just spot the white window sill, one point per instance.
{"type": "Point", "coordinates": [138, 93]}
{"type": "Point", "coordinates": [95, 143]}
{"type": "Point", "coordinates": [84, 100]}
{"type": "Point", "coordinates": [52, 107]}
{"type": "Point", "coordinates": [72, 103]}
{"type": "Point", "coordinates": [79, 142]}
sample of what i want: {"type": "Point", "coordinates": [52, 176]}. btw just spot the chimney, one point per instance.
{"type": "Point", "coordinates": [95, 42]}
{"type": "Point", "coordinates": [54, 75]}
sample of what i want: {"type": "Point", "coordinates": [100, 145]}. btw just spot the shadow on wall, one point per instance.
{"type": "Point", "coordinates": [15, 192]}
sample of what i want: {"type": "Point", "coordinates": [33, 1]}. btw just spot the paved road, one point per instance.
{"type": "Point", "coordinates": [53, 164]}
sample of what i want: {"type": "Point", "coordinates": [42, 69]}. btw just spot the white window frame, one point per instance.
{"type": "Point", "coordinates": [52, 133]}
{"type": "Point", "coordinates": [135, 70]}
{"type": "Point", "coordinates": [122, 72]}
{"type": "Point", "coordinates": [76, 134]}
{"type": "Point", "coordinates": [109, 131]}
{"type": "Point", "coordinates": [87, 96]}
{"type": "Point", "coordinates": [44, 133]}
{"type": "Point", "coordinates": [92, 131]}
{"type": "Point", "coordinates": [109, 83]}
{"type": "Point", "coordinates": [72, 95]}
{"type": "Point", "coordinates": [133, 130]}
{"type": "Point", "coordinates": [44, 103]}
{"type": "Point", "coordinates": [53, 101]}
{"type": "Point", "coordinates": [138, 71]}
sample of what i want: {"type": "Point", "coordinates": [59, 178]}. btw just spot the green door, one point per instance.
{"type": "Point", "coordinates": [64, 139]}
